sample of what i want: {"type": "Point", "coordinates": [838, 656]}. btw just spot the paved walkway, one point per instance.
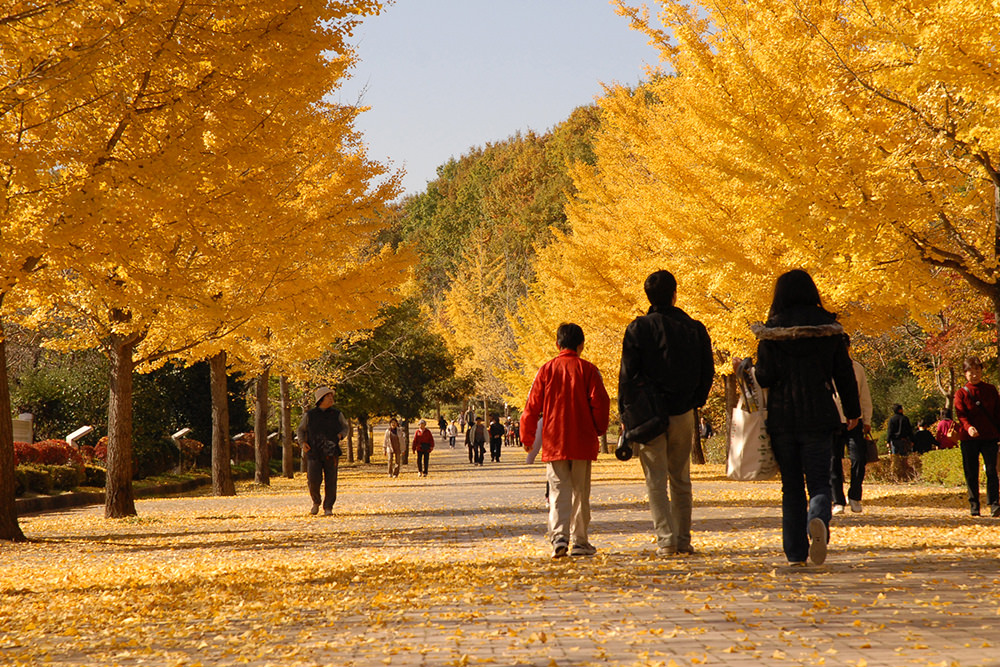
{"type": "Point", "coordinates": [454, 569]}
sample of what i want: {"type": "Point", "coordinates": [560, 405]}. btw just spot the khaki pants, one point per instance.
{"type": "Point", "coordinates": [666, 460]}
{"type": "Point", "coordinates": [394, 454]}
{"type": "Point", "coordinates": [569, 500]}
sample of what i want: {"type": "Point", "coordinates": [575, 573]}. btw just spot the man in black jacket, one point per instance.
{"type": "Point", "coordinates": [319, 435]}
{"type": "Point", "coordinates": [667, 354]}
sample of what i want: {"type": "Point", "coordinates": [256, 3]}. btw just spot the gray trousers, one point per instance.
{"type": "Point", "coordinates": [569, 500]}
{"type": "Point", "coordinates": [666, 460]}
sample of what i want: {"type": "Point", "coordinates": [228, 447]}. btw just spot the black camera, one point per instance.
{"type": "Point", "coordinates": [623, 452]}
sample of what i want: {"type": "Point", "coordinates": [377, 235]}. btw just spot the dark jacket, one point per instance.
{"type": "Point", "coordinates": [978, 405]}
{"type": "Point", "coordinates": [497, 431]}
{"type": "Point", "coordinates": [323, 430]}
{"type": "Point", "coordinates": [668, 351]}
{"type": "Point", "coordinates": [899, 428]}
{"type": "Point", "coordinates": [800, 355]}
{"type": "Point", "coordinates": [923, 441]}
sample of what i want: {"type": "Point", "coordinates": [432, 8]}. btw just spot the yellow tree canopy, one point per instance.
{"type": "Point", "coordinates": [212, 180]}
{"type": "Point", "coordinates": [853, 140]}
{"type": "Point", "coordinates": [207, 182]}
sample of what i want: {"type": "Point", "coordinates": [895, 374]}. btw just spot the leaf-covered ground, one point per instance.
{"type": "Point", "coordinates": [454, 569]}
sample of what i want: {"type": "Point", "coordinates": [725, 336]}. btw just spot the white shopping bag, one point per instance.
{"type": "Point", "coordinates": [750, 454]}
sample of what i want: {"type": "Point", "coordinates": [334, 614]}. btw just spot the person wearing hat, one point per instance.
{"type": "Point", "coordinates": [319, 434]}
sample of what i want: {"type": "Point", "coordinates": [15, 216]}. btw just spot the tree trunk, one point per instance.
{"type": "Point", "coordinates": [363, 436]}
{"type": "Point", "coordinates": [119, 500]}
{"type": "Point", "coordinates": [371, 441]}
{"type": "Point", "coordinates": [287, 453]}
{"type": "Point", "coordinates": [405, 425]}
{"type": "Point", "coordinates": [361, 439]}
{"type": "Point", "coordinates": [222, 470]}
{"type": "Point", "coordinates": [9, 527]}
{"type": "Point", "coordinates": [262, 447]}
{"type": "Point", "coordinates": [350, 441]}
{"type": "Point", "coordinates": [697, 453]}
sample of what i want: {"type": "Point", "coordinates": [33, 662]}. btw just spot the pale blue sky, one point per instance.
{"type": "Point", "coordinates": [442, 76]}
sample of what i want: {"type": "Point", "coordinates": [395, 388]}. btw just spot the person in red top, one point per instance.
{"type": "Point", "coordinates": [569, 394]}
{"type": "Point", "coordinates": [423, 445]}
{"type": "Point", "coordinates": [946, 431]}
{"type": "Point", "coordinates": [977, 406]}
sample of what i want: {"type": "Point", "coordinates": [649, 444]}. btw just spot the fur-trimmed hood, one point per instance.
{"type": "Point", "coordinates": [764, 332]}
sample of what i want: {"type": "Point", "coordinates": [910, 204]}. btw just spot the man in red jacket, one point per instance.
{"type": "Point", "coordinates": [568, 393]}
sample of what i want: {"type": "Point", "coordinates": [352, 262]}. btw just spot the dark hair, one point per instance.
{"type": "Point", "coordinates": [896, 407]}
{"type": "Point", "coordinates": [794, 289]}
{"type": "Point", "coordinates": [972, 362]}
{"type": "Point", "coordinates": [927, 421]}
{"type": "Point", "coordinates": [569, 336]}
{"type": "Point", "coordinates": [660, 288]}
{"type": "Point", "coordinates": [944, 413]}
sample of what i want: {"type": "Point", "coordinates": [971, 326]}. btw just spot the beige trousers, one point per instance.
{"type": "Point", "coordinates": [569, 500]}
{"type": "Point", "coordinates": [666, 462]}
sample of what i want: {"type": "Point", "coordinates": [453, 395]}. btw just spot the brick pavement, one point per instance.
{"type": "Point", "coordinates": [470, 583]}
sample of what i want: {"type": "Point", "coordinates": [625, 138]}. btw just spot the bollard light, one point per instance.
{"type": "Point", "coordinates": [176, 437]}
{"type": "Point", "coordinates": [77, 434]}
{"type": "Point", "coordinates": [181, 433]}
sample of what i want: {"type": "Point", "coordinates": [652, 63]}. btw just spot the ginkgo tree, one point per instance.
{"type": "Point", "coordinates": [44, 47]}
{"type": "Point", "coordinates": [858, 138]}
{"type": "Point", "coordinates": [183, 151]}
{"type": "Point", "coordinates": [853, 140]}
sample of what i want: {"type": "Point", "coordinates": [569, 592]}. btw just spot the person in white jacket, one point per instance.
{"type": "Point", "coordinates": [857, 449]}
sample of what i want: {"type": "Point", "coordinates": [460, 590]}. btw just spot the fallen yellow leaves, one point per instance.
{"type": "Point", "coordinates": [453, 571]}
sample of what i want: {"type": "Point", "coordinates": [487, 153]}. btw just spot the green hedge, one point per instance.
{"type": "Point", "coordinates": [95, 476]}
{"type": "Point", "coordinates": [45, 479]}
{"type": "Point", "coordinates": [943, 466]}
{"type": "Point", "coordinates": [34, 478]}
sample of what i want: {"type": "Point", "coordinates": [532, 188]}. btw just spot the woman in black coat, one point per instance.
{"type": "Point", "coordinates": [801, 358]}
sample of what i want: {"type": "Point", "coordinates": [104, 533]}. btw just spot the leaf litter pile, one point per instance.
{"type": "Point", "coordinates": [454, 569]}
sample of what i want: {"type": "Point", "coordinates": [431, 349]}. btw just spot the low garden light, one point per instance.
{"type": "Point", "coordinates": [176, 437]}
{"type": "Point", "coordinates": [77, 434]}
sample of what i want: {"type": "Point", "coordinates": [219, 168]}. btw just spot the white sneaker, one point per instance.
{"type": "Point", "coordinates": [855, 505]}
{"type": "Point", "coordinates": [838, 509]}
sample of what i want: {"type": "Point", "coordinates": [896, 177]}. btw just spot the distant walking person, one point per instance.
{"type": "Point", "coordinates": [423, 445]}
{"type": "Point", "coordinates": [393, 447]}
{"type": "Point", "coordinates": [854, 443]}
{"type": "Point", "coordinates": [478, 440]}
{"type": "Point", "coordinates": [320, 432]}
{"type": "Point", "coordinates": [667, 359]}
{"type": "Point", "coordinates": [899, 432]}
{"type": "Point", "coordinates": [569, 394]}
{"type": "Point", "coordinates": [946, 430]}
{"type": "Point", "coordinates": [977, 407]}
{"type": "Point", "coordinates": [801, 355]}
{"type": "Point", "coordinates": [923, 440]}
{"type": "Point", "coordinates": [705, 430]}
{"type": "Point", "coordinates": [452, 432]}
{"type": "Point", "coordinates": [442, 425]}
{"type": "Point", "coordinates": [497, 432]}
